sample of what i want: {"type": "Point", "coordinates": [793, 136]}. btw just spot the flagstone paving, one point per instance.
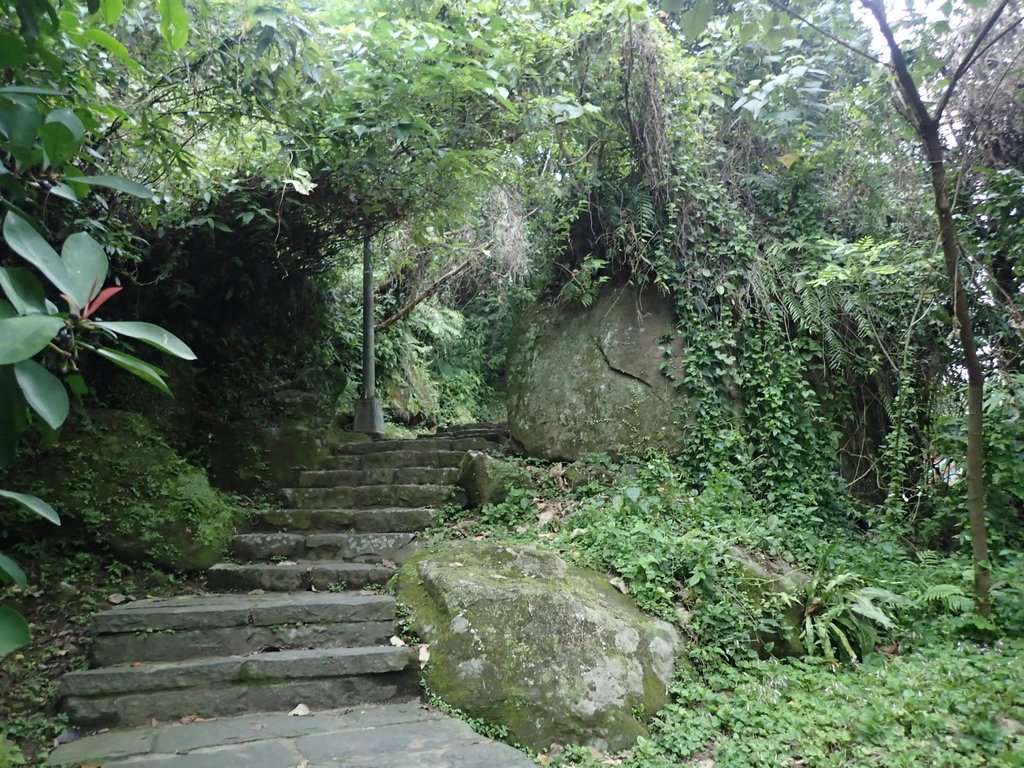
{"type": "Point", "coordinates": [386, 736]}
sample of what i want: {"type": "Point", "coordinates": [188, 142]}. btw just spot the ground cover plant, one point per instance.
{"type": "Point", "coordinates": [908, 674]}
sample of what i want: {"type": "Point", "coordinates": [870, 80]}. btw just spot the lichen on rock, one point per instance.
{"type": "Point", "coordinates": [521, 638]}
{"type": "Point", "coordinates": [593, 379]}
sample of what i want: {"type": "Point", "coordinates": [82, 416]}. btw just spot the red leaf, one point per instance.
{"type": "Point", "coordinates": [98, 302]}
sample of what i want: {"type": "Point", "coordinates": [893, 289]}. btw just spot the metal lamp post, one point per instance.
{"type": "Point", "coordinates": [369, 417]}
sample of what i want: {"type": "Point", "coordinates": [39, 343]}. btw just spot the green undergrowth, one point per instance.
{"type": "Point", "coordinates": [890, 665]}
{"type": "Point", "coordinates": [66, 587]}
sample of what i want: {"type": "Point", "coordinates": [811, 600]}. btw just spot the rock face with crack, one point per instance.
{"type": "Point", "coordinates": [597, 378]}
{"type": "Point", "coordinates": [553, 652]}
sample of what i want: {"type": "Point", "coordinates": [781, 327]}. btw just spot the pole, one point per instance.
{"type": "Point", "coordinates": [369, 417]}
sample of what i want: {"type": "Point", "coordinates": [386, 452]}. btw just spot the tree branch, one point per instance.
{"type": "Point", "coordinates": [426, 293]}
{"type": "Point", "coordinates": [969, 57]}
{"type": "Point", "coordinates": [852, 48]}
{"type": "Point", "coordinates": [922, 118]}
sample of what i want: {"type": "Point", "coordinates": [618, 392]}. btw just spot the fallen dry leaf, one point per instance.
{"type": "Point", "coordinates": [424, 655]}
{"type": "Point", "coordinates": [397, 641]}
{"type": "Point", "coordinates": [286, 562]}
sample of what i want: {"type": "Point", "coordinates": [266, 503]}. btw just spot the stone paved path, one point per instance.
{"type": "Point", "coordinates": [288, 623]}
{"type": "Point", "coordinates": [387, 736]}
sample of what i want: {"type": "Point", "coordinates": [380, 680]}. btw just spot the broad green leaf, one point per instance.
{"type": "Point", "coordinates": [60, 189]}
{"type": "Point", "coordinates": [29, 90]}
{"type": "Point", "coordinates": [23, 337]}
{"type": "Point", "coordinates": [19, 122]}
{"type": "Point", "coordinates": [86, 265]}
{"type": "Point", "coordinates": [43, 391]}
{"type": "Point", "coordinates": [153, 335]}
{"type": "Point", "coordinates": [695, 21]}
{"type": "Point", "coordinates": [13, 52]}
{"type": "Point", "coordinates": [112, 10]}
{"type": "Point", "coordinates": [69, 120]}
{"type": "Point", "coordinates": [24, 290]}
{"type": "Point", "coordinates": [113, 182]}
{"type": "Point", "coordinates": [58, 143]}
{"type": "Point", "coordinates": [33, 504]}
{"type": "Point", "coordinates": [13, 630]}
{"type": "Point", "coordinates": [173, 22]}
{"type": "Point", "coordinates": [13, 570]}
{"type": "Point", "coordinates": [6, 310]}
{"type": "Point", "coordinates": [115, 46]}
{"type": "Point", "coordinates": [30, 245]}
{"type": "Point", "coordinates": [140, 368]}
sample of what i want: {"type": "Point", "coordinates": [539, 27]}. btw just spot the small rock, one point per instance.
{"type": "Point", "coordinates": [116, 599]}
{"type": "Point", "coordinates": [66, 591]}
{"type": "Point", "coordinates": [301, 710]}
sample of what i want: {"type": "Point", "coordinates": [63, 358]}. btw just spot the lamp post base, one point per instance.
{"type": "Point", "coordinates": [369, 417]}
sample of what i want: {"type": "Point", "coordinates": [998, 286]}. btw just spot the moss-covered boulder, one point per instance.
{"type": "Point", "coordinates": [773, 582]}
{"type": "Point", "coordinates": [518, 637]}
{"type": "Point", "coordinates": [593, 379]}
{"type": "Point", "coordinates": [116, 480]}
{"type": "Point", "coordinates": [487, 479]}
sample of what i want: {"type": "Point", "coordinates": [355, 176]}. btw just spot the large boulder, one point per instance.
{"type": "Point", "coordinates": [775, 583]}
{"type": "Point", "coordinates": [520, 638]}
{"type": "Point", "coordinates": [117, 483]}
{"type": "Point", "coordinates": [593, 379]}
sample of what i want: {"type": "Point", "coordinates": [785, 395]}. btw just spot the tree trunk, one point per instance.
{"type": "Point", "coordinates": [975, 373]}
{"type": "Point", "coordinates": [927, 127]}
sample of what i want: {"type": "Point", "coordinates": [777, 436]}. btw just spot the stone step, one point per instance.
{"type": "Point", "coordinates": [418, 444]}
{"type": "Point", "coordinates": [414, 457]}
{"type": "Point", "coordinates": [297, 575]}
{"type": "Point", "coordinates": [382, 736]}
{"type": "Point", "coordinates": [373, 520]}
{"type": "Point", "coordinates": [335, 478]}
{"type": "Point", "coordinates": [356, 547]}
{"type": "Point", "coordinates": [374, 496]}
{"type": "Point", "coordinates": [193, 627]}
{"type": "Point", "coordinates": [213, 687]}
{"type": "Point", "coordinates": [489, 427]}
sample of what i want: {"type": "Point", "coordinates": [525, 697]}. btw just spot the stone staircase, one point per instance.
{"type": "Point", "coordinates": [286, 624]}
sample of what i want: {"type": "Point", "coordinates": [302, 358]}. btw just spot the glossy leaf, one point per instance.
{"type": "Point", "coordinates": [23, 337]}
{"type": "Point", "coordinates": [12, 570]}
{"type": "Point", "coordinates": [43, 391]}
{"type": "Point", "coordinates": [69, 120]}
{"type": "Point", "coordinates": [173, 22]}
{"type": "Point", "coordinates": [20, 123]}
{"type": "Point", "coordinates": [86, 265]}
{"type": "Point", "coordinates": [140, 368]}
{"type": "Point", "coordinates": [33, 504]}
{"type": "Point", "coordinates": [114, 46]}
{"type": "Point", "coordinates": [23, 289]}
{"type": "Point", "coordinates": [13, 630]}
{"type": "Point", "coordinates": [59, 144]}
{"type": "Point", "coordinates": [113, 182]}
{"type": "Point", "coordinates": [112, 10]}
{"type": "Point", "coordinates": [153, 335]}
{"type": "Point", "coordinates": [23, 239]}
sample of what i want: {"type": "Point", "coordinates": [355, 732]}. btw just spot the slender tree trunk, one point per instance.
{"type": "Point", "coordinates": [975, 373]}
{"type": "Point", "coordinates": [928, 126]}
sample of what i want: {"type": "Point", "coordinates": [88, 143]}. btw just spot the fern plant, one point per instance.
{"type": "Point", "coordinates": [842, 617]}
